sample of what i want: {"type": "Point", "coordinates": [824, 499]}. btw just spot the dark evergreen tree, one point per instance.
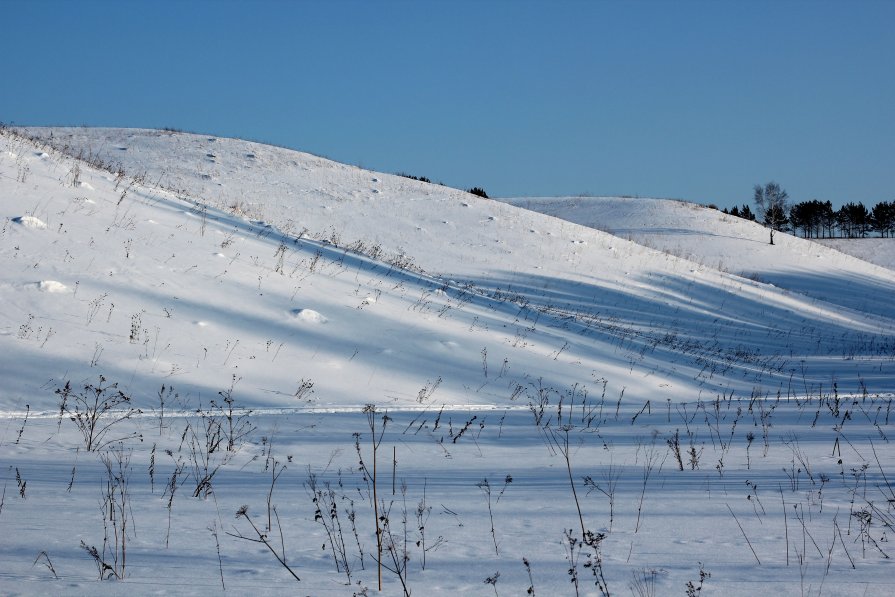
{"type": "Point", "coordinates": [801, 217]}
{"type": "Point", "coordinates": [813, 218]}
{"type": "Point", "coordinates": [861, 216]}
{"type": "Point", "coordinates": [827, 218]}
{"type": "Point", "coordinates": [882, 218]}
{"type": "Point", "coordinates": [843, 222]}
{"type": "Point", "coordinates": [746, 213]}
{"type": "Point", "coordinates": [853, 220]}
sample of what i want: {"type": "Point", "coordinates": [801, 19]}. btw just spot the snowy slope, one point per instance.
{"type": "Point", "coordinates": [716, 240]}
{"type": "Point", "coordinates": [221, 256]}
{"type": "Point", "coordinates": [879, 251]}
{"type": "Point", "coordinates": [192, 268]}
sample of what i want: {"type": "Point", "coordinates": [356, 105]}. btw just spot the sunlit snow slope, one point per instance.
{"type": "Point", "coordinates": [201, 262]}
{"type": "Point", "coordinates": [880, 251]}
{"type": "Point", "coordinates": [714, 239]}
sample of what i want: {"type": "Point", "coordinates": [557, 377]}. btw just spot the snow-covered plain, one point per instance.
{"type": "Point", "coordinates": [521, 365]}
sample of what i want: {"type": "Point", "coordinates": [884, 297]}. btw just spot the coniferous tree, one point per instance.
{"type": "Point", "coordinates": [853, 220]}
{"type": "Point", "coordinates": [827, 218]}
{"type": "Point", "coordinates": [861, 216]}
{"type": "Point", "coordinates": [882, 218]}
{"type": "Point", "coordinates": [814, 218]}
{"type": "Point", "coordinates": [801, 217]}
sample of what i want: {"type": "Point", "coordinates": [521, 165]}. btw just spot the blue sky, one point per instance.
{"type": "Point", "coordinates": [698, 100]}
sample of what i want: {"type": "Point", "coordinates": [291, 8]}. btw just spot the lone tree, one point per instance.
{"type": "Point", "coordinates": [770, 202]}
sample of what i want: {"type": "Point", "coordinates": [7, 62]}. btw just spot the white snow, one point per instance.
{"type": "Point", "coordinates": [309, 316]}
{"type": "Point", "coordinates": [879, 251]}
{"type": "Point", "coordinates": [52, 286]}
{"type": "Point", "coordinates": [30, 222]}
{"type": "Point", "coordinates": [484, 346]}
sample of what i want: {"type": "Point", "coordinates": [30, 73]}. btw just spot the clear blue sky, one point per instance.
{"type": "Point", "coordinates": [697, 100]}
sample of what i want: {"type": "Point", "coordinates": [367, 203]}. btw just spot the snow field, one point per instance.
{"type": "Point", "coordinates": [217, 269]}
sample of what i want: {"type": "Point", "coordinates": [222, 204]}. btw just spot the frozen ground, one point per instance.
{"type": "Point", "coordinates": [198, 273]}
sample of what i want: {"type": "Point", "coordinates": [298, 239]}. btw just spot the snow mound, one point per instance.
{"type": "Point", "coordinates": [309, 316]}
{"type": "Point", "coordinates": [30, 222]}
{"type": "Point", "coordinates": [52, 286]}
{"type": "Point", "coordinates": [84, 185]}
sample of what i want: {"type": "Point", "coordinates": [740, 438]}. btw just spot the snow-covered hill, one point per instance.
{"type": "Point", "coordinates": [197, 269]}
{"type": "Point", "coordinates": [716, 240]}
{"type": "Point", "coordinates": [879, 251]}
{"type": "Point", "coordinates": [215, 276]}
